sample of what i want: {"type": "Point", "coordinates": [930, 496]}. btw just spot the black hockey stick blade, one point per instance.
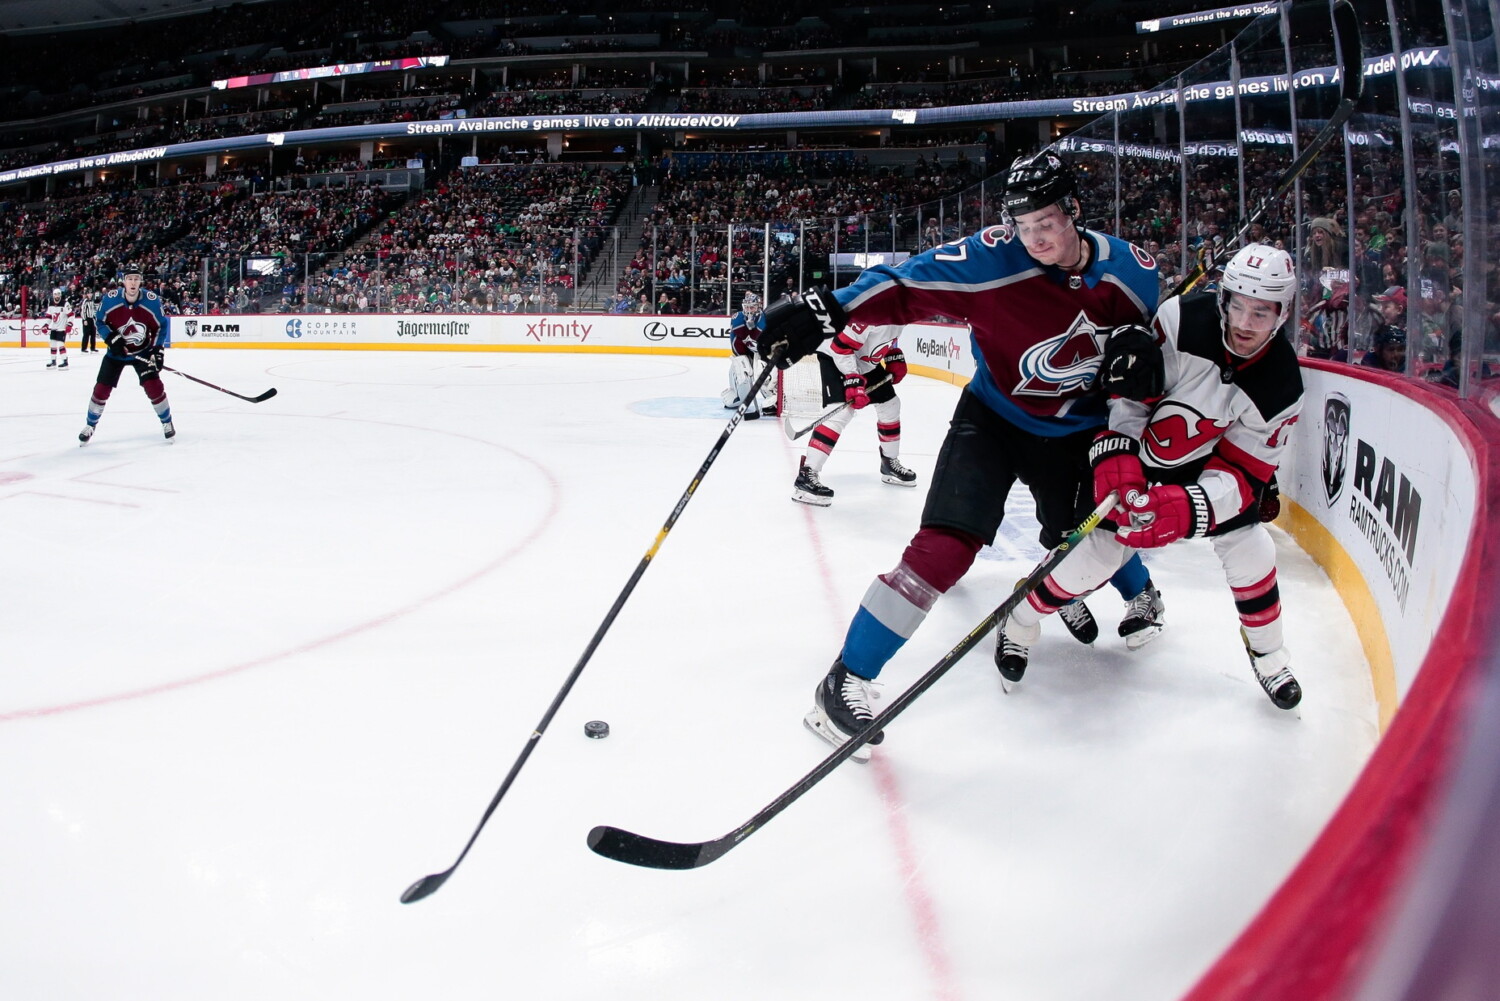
{"type": "Point", "coordinates": [1351, 87]}
{"type": "Point", "coordinates": [263, 397]}
{"type": "Point", "coordinates": [428, 885]}
{"type": "Point", "coordinates": [652, 853]}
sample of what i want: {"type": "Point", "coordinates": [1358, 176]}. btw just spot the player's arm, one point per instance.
{"type": "Point", "coordinates": [919, 288]}
{"type": "Point", "coordinates": [1245, 460]}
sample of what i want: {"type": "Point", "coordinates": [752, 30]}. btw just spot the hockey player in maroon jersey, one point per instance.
{"type": "Point", "coordinates": [1041, 295]}
{"type": "Point", "coordinates": [848, 363]}
{"type": "Point", "coordinates": [136, 331]}
{"type": "Point", "coordinates": [1197, 460]}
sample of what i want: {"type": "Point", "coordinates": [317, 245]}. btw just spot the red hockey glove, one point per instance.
{"type": "Point", "coordinates": [1116, 459]}
{"type": "Point", "coordinates": [1163, 515]}
{"type": "Point", "coordinates": [895, 363]}
{"type": "Point", "coordinates": [855, 393]}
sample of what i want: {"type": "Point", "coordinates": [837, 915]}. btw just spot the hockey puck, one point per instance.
{"type": "Point", "coordinates": [596, 728]}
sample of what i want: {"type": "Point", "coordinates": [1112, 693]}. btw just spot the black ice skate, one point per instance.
{"type": "Point", "coordinates": [1145, 616]}
{"type": "Point", "coordinates": [85, 434]}
{"type": "Point", "coordinates": [1276, 677]}
{"type": "Point", "coordinates": [809, 489]}
{"type": "Point", "coordinates": [1011, 658]}
{"type": "Point", "coordinates": [168, 431]}
{"type": "Point", "coordinates": [1079, 620]}
{"type": "Point", "coordinates": [891, 471]}
{"type": "Point", "coordinates": [841, 709]}
{"type": "Point", "coordinates": [62, 364]}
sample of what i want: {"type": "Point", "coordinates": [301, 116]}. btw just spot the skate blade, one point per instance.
{"type": "Point", "coordinates": [813, 499]}
{"type": "Point", "coordinates": [1141, 637]}
{"type": "Point", "coordinates": [818, 724]}
{"type": "Point", "coordinates": [898, 481]}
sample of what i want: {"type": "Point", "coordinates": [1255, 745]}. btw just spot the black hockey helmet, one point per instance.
{"type": "Point", "coordinates": [1036, 181]}
{"type": "Point", "coordinates": [131, 268]}
{"type": "Point", "coordinates": [1388, 334]}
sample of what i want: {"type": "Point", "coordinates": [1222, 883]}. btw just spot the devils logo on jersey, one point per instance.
{"type": "Point", "coordinates": [1063, 363]}
{"type": "Point", "coordinates": [1178, 433]}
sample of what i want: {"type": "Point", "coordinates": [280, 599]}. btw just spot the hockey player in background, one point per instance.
{"type": "Point", "coordinates": [1197, 460]}
{"type": "Point", "coordinates": [1041, 295]}
{"type": "Point", "coordinates": [136, 333]}
{"type": "Point", "coordinates": [849, 363]}
{"type": "Point", "coordinates": [60, 323]}
{"type": "Point", "coordinates": [744, 328]}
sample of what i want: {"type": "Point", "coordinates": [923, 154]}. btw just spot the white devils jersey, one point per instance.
{"type": "Point", "coordinates": [60, 320]}
{"type": "Point", "coordinates": [1224, 421]}
{"type": "Point", "coordinates": [859, 347]}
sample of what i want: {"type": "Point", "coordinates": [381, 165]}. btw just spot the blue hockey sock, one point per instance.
{"type": "Point", "coordinates": [1132, 578]}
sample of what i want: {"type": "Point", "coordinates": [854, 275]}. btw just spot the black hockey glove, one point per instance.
{"type": "Point", "coordinates": [1133, 365]}
{"type": "Point", "coordinates": [795, 325]}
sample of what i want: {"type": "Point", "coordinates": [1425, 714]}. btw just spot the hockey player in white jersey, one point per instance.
{"type": "Point", "coordinates": [849, 363]}
{"type": "Point", "coordinates": [744, 328]}
{"type": "Point", "coordinates": [61, 320]}
{"type": "Point", "coordinates": [1198, 460]}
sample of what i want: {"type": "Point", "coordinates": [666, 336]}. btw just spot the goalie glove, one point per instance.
{"type": "Point", "coordinates": [1162, 515]}
{"type": "Point", "coordinates": [1133, 365]}
{"type": "Point", "coordinates": [795, 325]}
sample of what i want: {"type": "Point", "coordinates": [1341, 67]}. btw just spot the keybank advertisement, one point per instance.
{"type": "Point", "coordinates": [1395, 485]}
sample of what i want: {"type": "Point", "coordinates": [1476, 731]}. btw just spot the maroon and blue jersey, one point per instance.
{"type": "Point", "coordinates": [1037, 339]}
{"type": "Point", "coordinates": [132, 328]}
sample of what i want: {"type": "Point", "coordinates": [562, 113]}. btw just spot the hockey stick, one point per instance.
{"type": "Point", "coordinates": [793, 434]}
{"type": "Point", "coordinates": [637, 849]}
{"type": "Point", "coordinates": [1351, 86]}
{"type": "Point", "coordinates": [263, 397]}
{"type": "Point", "coordinates": [428, 885]}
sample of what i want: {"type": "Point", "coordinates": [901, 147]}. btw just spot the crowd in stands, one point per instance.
{"type": "Point", "coordinates": [484, 239]}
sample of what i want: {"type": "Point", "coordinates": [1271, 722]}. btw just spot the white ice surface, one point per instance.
{"type": "Point", "coordinates": [258, 681]}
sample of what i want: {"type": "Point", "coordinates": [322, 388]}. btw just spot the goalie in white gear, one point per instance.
{"type": "Point", "coordinates": [60, 323]}
{"type": "Point", "coordinates": [860, 366]}
{"type": "Point", "coordinates": [1199, 460]}
{"type": "Point", "coordinates": [744, 328]}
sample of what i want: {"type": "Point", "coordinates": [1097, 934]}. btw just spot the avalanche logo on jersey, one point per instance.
{"type": "Point", "coordinates": [1178, 433]}
{"type": "Point", "coordinates": [1063, 363]}
{"type": "Point", "coordinates": [135, 333]}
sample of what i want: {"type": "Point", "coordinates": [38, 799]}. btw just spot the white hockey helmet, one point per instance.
{"type": "Point", "coordinates": [751, 303]}
{"type": "Point", "coordinates": [1261, 272]}
{"type": "Point", "coordinates": [57, 293]}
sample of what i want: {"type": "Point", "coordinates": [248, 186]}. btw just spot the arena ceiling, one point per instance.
{"type": "Point", "coordinates": [54, 15]}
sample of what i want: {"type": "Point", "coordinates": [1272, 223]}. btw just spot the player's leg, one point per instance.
{"type": "Point", "coordinates": [1097, 557]}
{"type": "Point", "coordinates": [741, 378]}
{"type": "Point", "coordinates": [104, 384]}
{"type": "Point", "coordinates": [156, 393]}
{"type": "Point", "coordinates": [807, 487]}
{"type": "Point", "coordinates": [965, 504]}
{"type": "Point", "coordinates": [1248, 555]}
{"type": "Point", "coordinates": [888, 426]}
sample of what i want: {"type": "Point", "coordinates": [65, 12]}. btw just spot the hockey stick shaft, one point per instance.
{"type": "Point", "coordinates": [637, 849]}
{"type": "Point", "coordinates": [428, 885]}
{"type": "Point", "coordinates": [204, 382]}
{"type": "Point", "coordinates": [1351, 84]}
{"type": "Point", "coordinates": [794, 435]}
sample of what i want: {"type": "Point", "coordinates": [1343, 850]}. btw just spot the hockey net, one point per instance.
{"type": "Point", "coordinates": [799, 389]}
